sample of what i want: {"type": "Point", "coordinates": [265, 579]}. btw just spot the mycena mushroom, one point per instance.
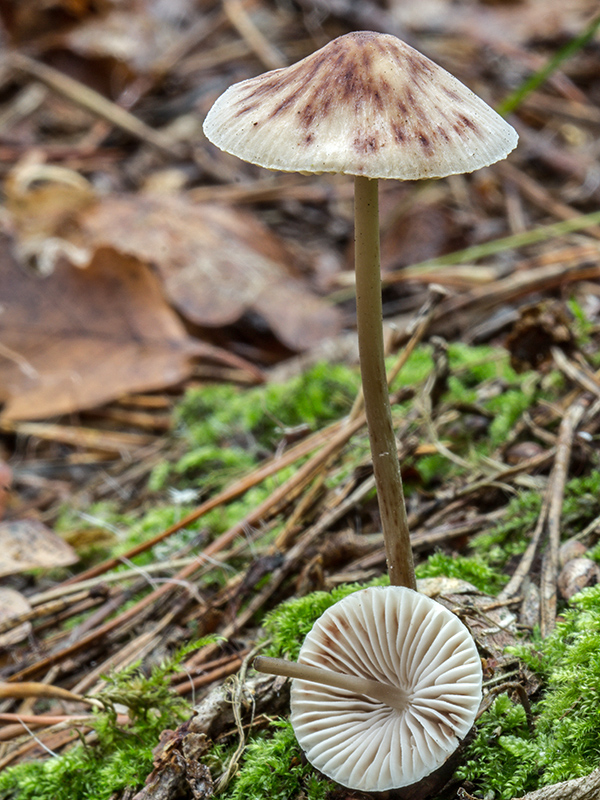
{"type": "Point", "coordinates": [387, 683]}
{"type": "Point", "coordinates": [366, 105]}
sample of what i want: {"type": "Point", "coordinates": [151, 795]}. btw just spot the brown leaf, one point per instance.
{"type": "Point", "coordinates": [216, 263]}
{"type": "Point", "coordinates": [82, 337]}
{"type": "Point", "coordinates": [135, 36]}
{"type": "Point", "coordinates": [423, 232]}
{"type": "Point", "coordinates": [28, 544]}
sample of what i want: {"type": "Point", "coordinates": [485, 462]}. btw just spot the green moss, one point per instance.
{"type": "Point", "coordinates": [474, 570]}
{"type": "Point", "coordinates": [509, 536]}
{"type": "Point", "coordinates": [505, 757]}
{"type": "Point", "coordinates": [582, 502]}
{"type": "Point", "coordinates": [501, 760]}
{"type": "Point", "coordinates": [229, 429]}
{"type": "Point", "coordinates": [569, 710]}
{"type": "Point", "coordinates": [507, 408]}
{"type": "Point", "coordinates": [583, 327]}
{"type": "Point", "coordinates": [480, 363]}
{"type": "Point", "coordinates": [273, 769]}
{"type": "Point", "coordinates": [434, 468]}
{"type": "Point", "coordinates": [416, 369]}
{"type": "Point", "coordinates": [255, 418]}
{"type": "Point", "coordinates": [121, 757]}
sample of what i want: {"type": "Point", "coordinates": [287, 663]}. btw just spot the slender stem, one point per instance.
{"type": "Point", "coordinates": [384, 692]}
{"type": "Point", "coordinates": [377, 402]}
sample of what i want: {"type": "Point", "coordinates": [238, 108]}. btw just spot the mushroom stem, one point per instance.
{"type": "Point", "coordinates": [384, 449]}
{"type": "Point", "coordinates": [384, 692]}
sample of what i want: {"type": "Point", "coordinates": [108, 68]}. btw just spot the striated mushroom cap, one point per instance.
{"type": "Point", "coordinates": [405, 640]}
{"type": "Point", "coordinates": [365, 104]}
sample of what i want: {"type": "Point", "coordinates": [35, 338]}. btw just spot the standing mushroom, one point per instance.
{"type": "Point", "coordinates": [387, 683]}
{"type": "Point", "coordinates": [366, 105]}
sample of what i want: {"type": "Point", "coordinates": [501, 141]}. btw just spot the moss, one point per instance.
{"type": "Point", "coordinates": [273, 769]}
{"type": "Point", "coordinates": [121, 757]}
{"type": "Point", "coordinates": [252, 420]}
{"type": "Point", "coordinates": [474, 570]}
{"type": "Point", "coordinates": [478, 364]}
{"type": "Point", "coordinates": [505, 757]}
{"type": "Point", "coordinates": [509, 536]}
{"type": "Point", "coordinates": [582, 502]}
{"type": "Point", "coordinates": [416, 369]}
{"type": "Point", "coordinates": [501, 760]}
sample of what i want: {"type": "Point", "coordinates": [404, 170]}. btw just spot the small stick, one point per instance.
{"type": "Point", "coordinates": [539, 195]}
{"type": "Point", "coordinates": [575, 372]}
{"type": "Point", "coordinates": [33, 689]}
{"type": "Point", "coordinates": [93, 439]}
{"type": "Point", "coordinates": [254, 38]}
{"type": "Point", "coordinates": [238, 488]}
{"type": "Point", "coordinates": [93, 101]}
{"type": "Point", "coordinates": [513, 587]}
{"type": "Point", "coordinates": [564, 445]}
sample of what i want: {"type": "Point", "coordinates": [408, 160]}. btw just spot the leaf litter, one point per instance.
{"type": "Point", "coordinates": [130, 333]}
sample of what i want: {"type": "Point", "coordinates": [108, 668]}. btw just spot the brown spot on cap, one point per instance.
{"type": "Point", "coordinates": [366, 144]}
{"type": "Point", "coordinates": [425, 143]}
{"type": "Point", "coordinates": [380, 108]}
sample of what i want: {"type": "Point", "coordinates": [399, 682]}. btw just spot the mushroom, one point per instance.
{"type": "Point", "coordinates": [366, 105]}
{"type": "Point", "coordinates": [387, 683]}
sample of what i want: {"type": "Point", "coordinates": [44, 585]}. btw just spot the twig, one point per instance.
{"type": "Point", "coordinates": [539, 195]}
{"type": "Point", "coordinates": [93, 101]}
{"type": "Point", "coordinates": [559, 476]}
{"type": "Point", "coordinates": [272, 466]}
{"type": "Point", "coordinates": [28, 689]}
{"type": "Point", "coordinates": [513, 587]}
{"type": "Point", "coordinates": [254, 38]}
{"type": "Point", "coordinates": [587, 788]}
{"type": "Point", "coordinates": [576, 372]}
{"type": "Point", "coordinates": [112, 442]}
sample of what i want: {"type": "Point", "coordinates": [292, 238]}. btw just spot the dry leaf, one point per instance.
{"type": "Point", "coordinates": [216, 263]}
{"type": "Point", "coordinates": [423, 232]}
{"type": "Point", "coordinates": [126, 36]}
{"type": "Point", "coordinates": [41, 198]}
{"type": "Point", "coordinates": [82, 337]}
{"type": "Point", "coordinates": [28, 544]}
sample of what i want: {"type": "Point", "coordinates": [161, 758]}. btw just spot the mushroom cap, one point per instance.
{"type": "Point", "coordinates": [365, 104]}
{"type": "Point", "coordinates": [405, 639]}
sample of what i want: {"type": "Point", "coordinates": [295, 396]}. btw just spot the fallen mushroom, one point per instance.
{"type": "Point", "coordinates": [366, 105]}
{"type": "Point", "coordinates": [387, 683]}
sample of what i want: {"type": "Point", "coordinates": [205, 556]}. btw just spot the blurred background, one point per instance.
{"type": "Point", "coordinates": [136, 255]}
